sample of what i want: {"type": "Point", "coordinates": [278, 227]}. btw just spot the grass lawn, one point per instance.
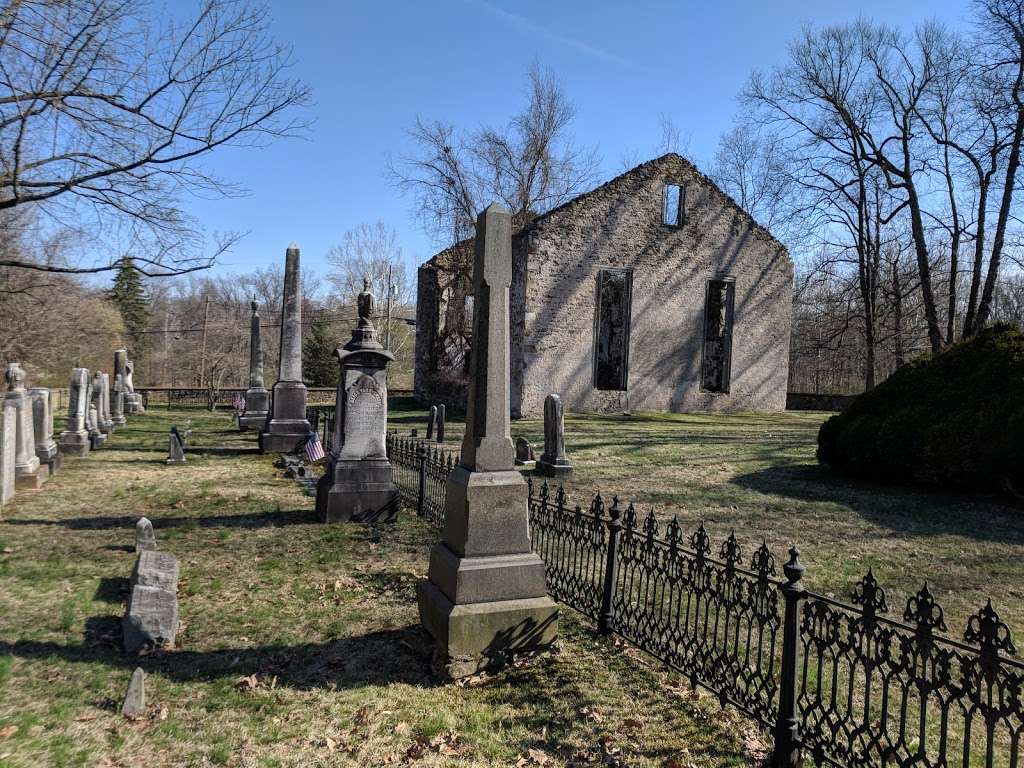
{"type": "Point", "coordinates": [300, 643]}
{"type": "Point", "coordinates": [756, 474]}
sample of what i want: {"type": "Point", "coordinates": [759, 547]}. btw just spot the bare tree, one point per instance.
{"type": "Point", "coordinates": [529, 166]}
{"type": "Point", "coordinates": [369, 252]}
{"type": "Point", "coordinates": [107, 110]}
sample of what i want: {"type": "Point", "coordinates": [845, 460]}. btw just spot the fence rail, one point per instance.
{"type": "Point", "coordinates": [837, 683]}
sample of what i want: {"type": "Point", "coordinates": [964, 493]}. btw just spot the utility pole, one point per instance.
{"type": "Point", "coordinates": [202, 359]}
{"type": "Point", "coordinates": [167, 331]}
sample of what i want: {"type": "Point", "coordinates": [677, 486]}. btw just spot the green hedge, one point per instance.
{"type": "Point", "coordinates": [953, 419]}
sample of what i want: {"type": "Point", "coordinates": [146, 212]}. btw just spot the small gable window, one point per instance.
{"type": "Point", "coordinates": [674, 204]}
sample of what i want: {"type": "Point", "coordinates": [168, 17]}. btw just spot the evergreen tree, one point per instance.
{"type": "Point", "coordinates": [129, 296]}
{"type": "Point", "coordinates": [319, 366]}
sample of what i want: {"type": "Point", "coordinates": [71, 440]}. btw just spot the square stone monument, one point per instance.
{"type": "Point", "coordinates": [29, 474]}
{"type": "Point", "coordinates": [74, 441]}
{"type": "Point", "coordinates": [257, 399]}
{"type": "Point", "coordinates": [287, 427]}
{"type": "Point", "coordinates": [485, 599]}
{"type": "Point", "coordinates": [358, 484]}
{"type": "Point", "coordinates": [42, 424]}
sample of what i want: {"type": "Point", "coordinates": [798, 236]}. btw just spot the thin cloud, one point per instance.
{"type": "Point", "coordinates": [526, 25]}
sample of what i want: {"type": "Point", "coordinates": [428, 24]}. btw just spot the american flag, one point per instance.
{"type": "Point", "coordinates": [314, 448]}
{"type": "Point", "coordinates": [238, 403]}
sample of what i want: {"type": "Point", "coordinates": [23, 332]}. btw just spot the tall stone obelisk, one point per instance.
{"type": "Point", "coordinates": [485, 599]}
{"type": "Point", "coordinates": [287, 426]}
{"type": "Point", "coordinates": [256, 396]}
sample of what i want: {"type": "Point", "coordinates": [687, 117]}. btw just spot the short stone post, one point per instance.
{"type": "Point", "coordinates": [257, 399]}
{"type": "Point", "coordinates": [440, 423]}
{"type": "Point", "coordinates": [786, 753]}
{"type": "Point", "coordinates": [135, 700]}
{"type": "Point", "coordinates": [286, 427]}
{"type": "Point", "coordinates": [431, 420]}
{"type": "Point", "coordinates": [358, 483]}
{"type": "Point", "coordinates": [74, 440]}
{"type": "Point", "coordinates": [553, 462]}
{"type": "Point", "coordinates": [485, 598]}
{"type": "Point", "coordinates": [611, 570]}
{"type": "Point", "coordinates": [29, 474]}
{"type": "Point", "coordinates": [42, 424]}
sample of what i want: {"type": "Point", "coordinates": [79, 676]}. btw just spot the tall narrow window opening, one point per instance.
{"type": "Point", "coordinates": [614, 304]}
{"type": "Point", "coordinates": [718, 320]}
{"type": "Point", "coordinates": [674, 204]}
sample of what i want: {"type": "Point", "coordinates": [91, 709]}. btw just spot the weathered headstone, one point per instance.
{"type": "Point", "coordinates": [358, 484]}
{"type": "Point", "coordinates": [287, 427]}
{"type": "Point", "coordinates": [440, 422]}
{"type": "Point", "coordinates": [135, 700]}
{"type": "Point", "coordinates": [553, 462]}
{"type": "Point", "coordinates": [42, 424]}
{"type": "Point", "coordinates": [106, 423]}
{"type": "Point", "coordinates": [29, 474]}
{"type": "Point", "coordinates": [8, 449]}
{"type": "Point", "coordinates": [145, 538]}
{"type": "Point", "coordinates": [151, 620]}
{"type": "Point", "coordinates": [74, 440]}
{"type": "Point", "coordinates": [485, 598]}
{"type": "Point", "coordinates": [117, 396]}
{"type": "Point", "coordinates": [132, 399]}
{"type": "Point", "coordinates": [175, 448]}
{"type": "Point", "coordinates": [525, 458]}
{"type": "Point", "coordinates": [97, 435]}
{"type": "Point", "coordinates": [257, 399]}
{"type": "Point", "coordinates": [431, 420]}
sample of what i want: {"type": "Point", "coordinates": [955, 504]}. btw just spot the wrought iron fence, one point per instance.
{"type": "Point", "coordinates": [840, 684]}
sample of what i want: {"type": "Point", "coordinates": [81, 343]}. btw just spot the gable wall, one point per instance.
{"type": "Point", "coordinates": [620, 225]}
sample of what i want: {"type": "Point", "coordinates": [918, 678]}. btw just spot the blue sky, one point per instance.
{"type": "Point", "coordinates": [374, 66]}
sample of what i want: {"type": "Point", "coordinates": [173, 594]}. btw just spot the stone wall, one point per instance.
{"type": "Point", "coordinates": [619, 225]}
{"type": "Point", "coordinates": [427, 312]}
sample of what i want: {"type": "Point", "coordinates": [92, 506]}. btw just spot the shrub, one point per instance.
{"type": "Point", "coordinates": [952, 419]}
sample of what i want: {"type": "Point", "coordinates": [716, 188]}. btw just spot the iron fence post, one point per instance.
{"type": "Point", "coordinates": [611, 570]}
{"type": "Point", "coordinates": [421, 455]}
{"type": "Point", "coordinates": [786, 752]}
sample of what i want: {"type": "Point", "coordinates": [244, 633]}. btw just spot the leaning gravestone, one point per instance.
{"type": "Point", "coordinates": [175, 448]}
{"type": "Point", "coordinates": [485, 599]}
{"type": "Point", "coordinates": [145, 538]}
{"type": "Point", "coordinates": [358, 484]}
{"type": "Point", "coordinates": [553, 462]}
{"type": "Point", "coordinates": [42, 422]}
{"type": "Point", "coordinates": [135, 700]}
{"type": "Point", "coordinates": [29, 474]}
{"type": "Point", "coordinates": [74, 440]}
{"type": "Point", "coordinates": [8, 447]}
{"type": "Point", "coordinates": [152, 617]}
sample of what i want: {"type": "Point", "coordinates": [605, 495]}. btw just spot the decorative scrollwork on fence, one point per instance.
{"type": "Point", "coordinates": [875, 691]}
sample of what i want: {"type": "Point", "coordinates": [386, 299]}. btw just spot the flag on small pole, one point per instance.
{"type": "Point", "coordinates": [314, 448]}
{"type": "Point", "coordinates": [238, 403]}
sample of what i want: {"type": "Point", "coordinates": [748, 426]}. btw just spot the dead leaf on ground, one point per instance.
{"type": "Point", "coordinates": [7, 731]}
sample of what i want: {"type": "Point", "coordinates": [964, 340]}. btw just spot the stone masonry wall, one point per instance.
{"type": "Point", "coordinates": [619, 225]}
{"type": "Point", "coordinates": [427, 310]}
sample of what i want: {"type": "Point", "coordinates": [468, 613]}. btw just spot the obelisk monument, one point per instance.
{"type": "Point", "coordinates": [485, 600]}
{"type": "Point", "coordinates": [256, 396]}
{"type": "Point", "coordinates": [287, 427]}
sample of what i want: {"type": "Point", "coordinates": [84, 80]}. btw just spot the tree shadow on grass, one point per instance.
{"type": "Point", "coordinates": [111, 590]}
{"type": "Point", "coordinates": [399, 655]}
{"type": "Point", "coordinates": [911, 511]}
{"type": "Point", "coordinates": [244, 520]}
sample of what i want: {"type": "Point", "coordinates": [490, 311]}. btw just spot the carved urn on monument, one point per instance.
{"type": "Point", "coordinates": [358, 485]}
